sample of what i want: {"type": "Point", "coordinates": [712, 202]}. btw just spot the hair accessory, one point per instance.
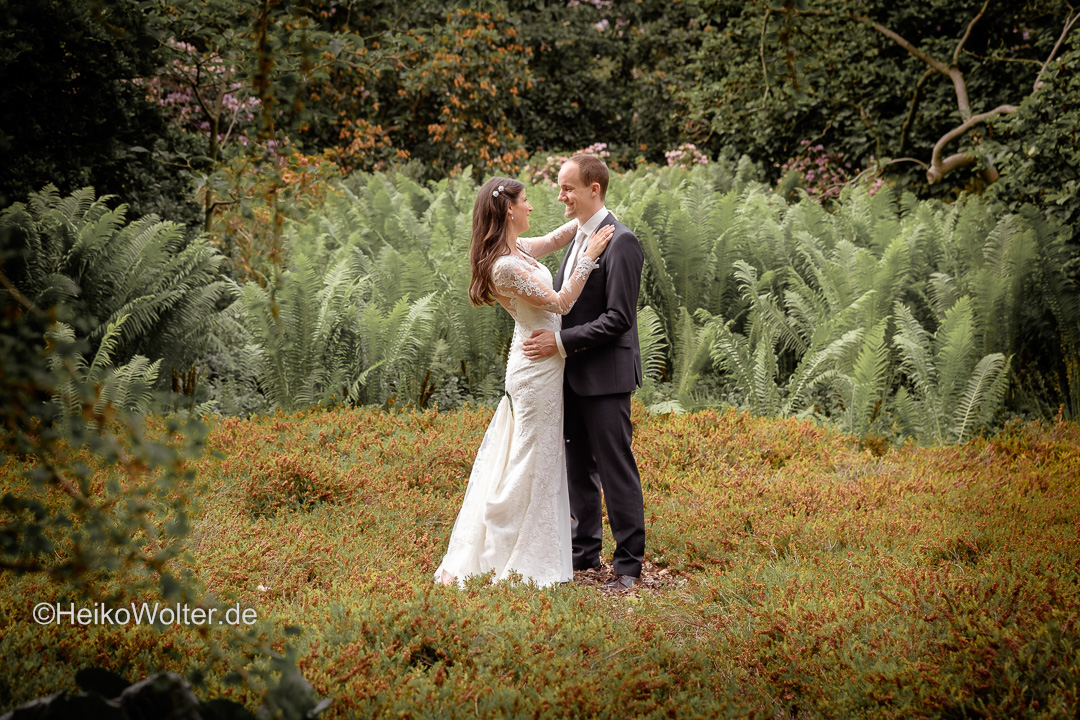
{"type": "Point", "coordinates": [495, 193]}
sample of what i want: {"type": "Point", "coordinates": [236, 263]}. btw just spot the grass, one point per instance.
{"type": "Point", "coordinates": [817, 578]}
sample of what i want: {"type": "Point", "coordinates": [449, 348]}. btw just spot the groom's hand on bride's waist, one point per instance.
{"type": "Point", "coordinates": [541, 344]}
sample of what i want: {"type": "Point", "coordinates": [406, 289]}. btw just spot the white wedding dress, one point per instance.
{"type": "Point", "coordinates": [516, 511]}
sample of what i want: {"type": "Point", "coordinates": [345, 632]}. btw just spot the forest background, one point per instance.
{"type": "Point", "coordinates": [858, 213]}
{"type": "Point", "coordinates": [245, 125]}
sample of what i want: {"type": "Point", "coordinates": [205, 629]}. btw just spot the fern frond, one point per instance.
{"type": "Point", "coordinates": [954, 350]}
{"type": "Point", "coordinates": [868, 379]}
{"type": "Point", "coordinates": [651, 342]}
{"type": "Point", "coordinates": [817, 366]}
{"type": "Point", "coordinates": [943, 294]}
{"type": "Point", "coordinates": [103, 358]}
{"type": "Point", "coordinates": [982, 396]}
{"type": "Point", "coordinates": [128, 387]}
{"type": "Point", "coordinates": [913, 342]}
{"type": "Point", "coordinates": [910, 415]}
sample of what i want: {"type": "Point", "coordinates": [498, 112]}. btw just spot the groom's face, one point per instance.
{"type": "Point", "coordinates": [580, 200]}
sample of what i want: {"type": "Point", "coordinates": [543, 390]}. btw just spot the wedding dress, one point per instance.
{"type": "Point", "coordinates": [516, 511]}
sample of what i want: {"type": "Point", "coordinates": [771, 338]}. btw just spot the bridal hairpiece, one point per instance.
{"type": "Point", "coordinates": [495, 193]}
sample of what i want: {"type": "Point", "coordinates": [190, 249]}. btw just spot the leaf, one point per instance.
{"type": "Point", "coordinates": [982, 395]}
{"type": "Point", "coordinates": [651, 343]}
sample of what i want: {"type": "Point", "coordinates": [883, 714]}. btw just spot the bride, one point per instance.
{"type": "Point", "coordinates": [516, 511]}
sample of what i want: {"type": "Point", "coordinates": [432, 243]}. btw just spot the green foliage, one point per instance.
{"type": "Point", "coordinates": [136, 288]}
{"type": "Point", "coordinates": [1039, 149]}
{"type": "Point", "coordinates": [372, 309]}
{"type": "Point", "coordinates": [459, 83]}
{"type": "Point", "coordinates": [95, 505]}
{"type": "Point", "coordinates": [606, 73]}
{"type": "Point", "coordinates": [781, 309]}
{"type": "Point", "coordinates": [485, 85]}
{"type": "Point", "coordinates": [84, 512]}
{"type": "Point", "coordinates": [818, 579]}
{"type": "Point", "coordinates": [768, 77]}
{"type": "Point", "coordinates": [951, 392]}
{"type": "Point", "coordinates": [801, 302]}
{"type": "Point", "coordinates": [72, 114]}
{"type": "Point", "coordinates": [127, 387]}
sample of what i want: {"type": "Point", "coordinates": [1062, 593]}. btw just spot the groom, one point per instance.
{"type": "Point", "coordinates": [603, 366]}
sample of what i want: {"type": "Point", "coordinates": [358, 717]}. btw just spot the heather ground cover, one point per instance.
{"type": "Point", "coordinates": [813, 577]}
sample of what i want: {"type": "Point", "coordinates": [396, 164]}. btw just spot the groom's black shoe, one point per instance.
{"type": "Point", "coordinates": [621, 583]}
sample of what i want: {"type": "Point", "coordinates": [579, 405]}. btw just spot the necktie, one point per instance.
{"type": "Point", "coordinates": [575, 255]}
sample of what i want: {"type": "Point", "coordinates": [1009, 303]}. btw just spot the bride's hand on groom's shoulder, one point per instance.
{"type": "Point", "coordinates": [598, 242]}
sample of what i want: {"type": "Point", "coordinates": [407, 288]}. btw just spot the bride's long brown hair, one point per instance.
{"type": "Point", "coordinates": [489, 219]}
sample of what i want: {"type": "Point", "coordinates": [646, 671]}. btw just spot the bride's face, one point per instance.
{"type": "Point", "coordinates": [519, 213]}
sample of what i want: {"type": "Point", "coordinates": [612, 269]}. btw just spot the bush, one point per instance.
{"type": "Point", "coordinates": [136, 288]}
{"type": "Point", "coordinates": [1039, 147]}
{"type": "Point", "coordinates": [818, 578]}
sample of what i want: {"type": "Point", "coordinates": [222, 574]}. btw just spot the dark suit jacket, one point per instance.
{"type": "Point", "coordinates": [600, 331]}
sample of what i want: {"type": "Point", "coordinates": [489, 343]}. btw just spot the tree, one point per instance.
{"type": "Point", "coordinates": [940, 166]}
{"type": "Point", "coordinates": [1040, 144]}
{"type": "Point", "coordinates": [236, 79]}
{"type": "Point", "coordinates": [606, 72]}
{"type": "Point", "coordinates": [70, 113]}
{"type": "Point", "coordinates": [863, 77]}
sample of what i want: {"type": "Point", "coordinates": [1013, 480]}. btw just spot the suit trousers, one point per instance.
{"type": "Point", "coordinates": [599, 458]}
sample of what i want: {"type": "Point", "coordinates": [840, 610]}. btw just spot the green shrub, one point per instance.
{"type": "Point", "coordinates": [746, 300]}
{"type": "Point", "coordinates": [144, 285]}
{"type": "Point", "coordinates": [812, 577]}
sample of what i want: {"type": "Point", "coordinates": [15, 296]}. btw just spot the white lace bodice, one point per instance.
{"type": "Point", "coordinates": [524, 286]}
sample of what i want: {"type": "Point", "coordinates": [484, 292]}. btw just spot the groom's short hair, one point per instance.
{"type": "Point", "coordinates": [593, 170]}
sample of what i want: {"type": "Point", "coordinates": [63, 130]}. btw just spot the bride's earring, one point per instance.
{"type": "Point", "coordinates": [511, 216]}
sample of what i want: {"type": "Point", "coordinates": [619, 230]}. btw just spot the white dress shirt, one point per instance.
{"type": "Point", "coordinates": [580, 243]}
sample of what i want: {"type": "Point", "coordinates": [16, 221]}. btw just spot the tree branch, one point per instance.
{"type": "Point", "coordinates": [967, 33]}
{"type": "Point", "coordinates": [996, 58]}
{"type": "Point", "coordinates": [1057, 46]}
{"type": "Point", "coordinates": [904, 43]}
{"type": "Point", "coordinates": [913, 109]}
{"type": "Point", "coordinates": [761, 53]}
{"type": "Point", "coordinates": [950, 71]}
{"type": "Point", "coordinates": [940, 168]}
{"type": "Point", "coordinates": [891, 34]}
{"type": "Point", "coordinates": [907, 159]}
{"type": "Point", "coordinates": [18, 296]}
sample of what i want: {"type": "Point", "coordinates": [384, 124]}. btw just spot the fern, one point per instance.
{"type": "Point", "coordinates": [87, 256]}
{"type": "Point", "coordinates": [103, 358]}
{"type": "Point", "coordinates": [128, 387]}
{"type": "Point", "coordinates": [868, 380]}
{"type": "Point", "coordinates": [874, 315]}
{"type": "Point", "coordinates": [651, 342]}
{"type": "Point", "coordinates": [982, 395]}
{"type": "Point", "coordinates": [955, 343]}
{"type": "Point", "coordinates": [817, 367]}
{"type": "Point", "coordinates": [913, 342]}
{"type": "Point", "coordinates": [753, 368]}
{"type": "Point", "coordinates": [85, 393]}
{"type": "Point", "coordinates": [953, 393]}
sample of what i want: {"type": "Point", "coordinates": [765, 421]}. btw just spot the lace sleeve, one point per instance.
{"type": "Point", "coordinates": [555, 240]}
{"type": "Point", "coordinates": [515, 278]}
